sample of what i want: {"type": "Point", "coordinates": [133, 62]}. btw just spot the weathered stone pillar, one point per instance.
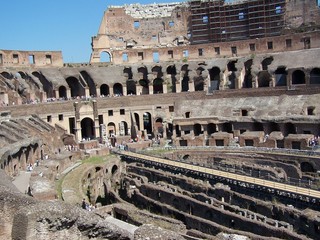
{"type": "Point", "coordinates": [150, 88]}
{"type": "Point", "coordinates": [77, 129]}
{"type": "Point", "coordinates": [139, 89]}
{"type": "Point", "coordinates": [98, 92]}
{"type": "Point", "coordinates": [87, 92]}
{"type": "Point", "coordinates": [68, 93]}
{"type": "Point", "coordinates": [124, 90]}
{"type": "Point", "coordinates": [191, 85]}
{"type": "Point", "coordinates": [111, 91]}
{"type": "Point", "coordinates": [165, 87]}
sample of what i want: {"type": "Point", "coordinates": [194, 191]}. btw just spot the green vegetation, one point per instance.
{"type": "Point", "coordinates": [94, 160]}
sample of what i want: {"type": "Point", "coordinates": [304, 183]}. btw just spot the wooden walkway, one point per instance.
{"type": "Point", "coordinates": [233, 176]}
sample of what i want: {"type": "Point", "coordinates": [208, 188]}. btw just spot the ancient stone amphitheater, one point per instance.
{"type": "Point", "coordinates": [193, 120]}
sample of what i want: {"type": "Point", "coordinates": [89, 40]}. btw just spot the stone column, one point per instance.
{"type": "Point", "coordinates": [150, 88]}
{"type": "Point", "coordinates": [191, 85]}
{"type": "Point", "coordinates": [111, 91]}
{"type": "Point", "coordinates": [165, 87]}
{"type": "Point", "coordinates": [87, 92]}
{"type": "Point", "coordinates": [98, 92]}
{"type": "Point", "coordinates": [68, 93]}
{"type": "Point", "coordinates": [124, 90]}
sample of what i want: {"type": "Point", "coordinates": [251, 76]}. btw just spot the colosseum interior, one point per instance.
{"type": "Point", "coordinates": [192, 120]}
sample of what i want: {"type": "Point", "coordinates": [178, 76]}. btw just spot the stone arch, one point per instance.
{"type": "Point", "coordinates": [123, 128]}
{"type": "Point", "coordinates": [298, 77]}
{"type": "Point", "coordinates": [185, 78]}
{"type": "Point", "coordinates": [315, 76]}
{"type": "Point", "coordinates": [87, 128]}
{"type": "Point", "coordinates": [131, 87]}
{"type": "Point", "coordinates": [198, 80]}
{"type": "Point", "coordinates": [247, 80]}
{"type": "Point", "coordinates": [77, 90]}
{"type": "Point", "coordinates": [158, 126]}
{"type": "Point", "coordinates": [264, 79]}
{"type": "Point", "coordinates": [46, 85]}
{"type": "Point", "coordinates": [172, 72]}
{"type": "Point", "coordinates": [127, 72]}
{"type": "Point", "coordinates": [143, 80]}
{"type": "Point", "coordinates": [232, 78]}
{"type": "Point", "coordinates": [147, 122]}
{"type": "Point", "coordinates": [307, 167]}
{"type": "Point", "coordinates": [117, 89]}
{"type": "Point", "coordinates": [197, 129]}
{"type": "Point", "coordinates": [114, 169]}
{"type": "Point", "coordinates": [105, 56]}
{"type": "Point", "coordinates": [214, 73]}
{"type": "Point", "coordinates": [158, 85]}
{"type": "Point", "coordinates": [62, 92]}
{"type": "Point", "coordinates": [90, 83]}
{"type": "Point", "coordinates": [266, 62]}
{"type": "Point", "coordinates": [281, 76]}
{"type": "Point", "coordinates": [104, 90]}
{"type": "Point", "coordinates": [111, 129]}
{"type": "Point", "coordinates": [6, 75]}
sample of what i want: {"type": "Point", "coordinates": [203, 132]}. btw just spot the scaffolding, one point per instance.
{"type": "Point", "coordinates": [218, 21]}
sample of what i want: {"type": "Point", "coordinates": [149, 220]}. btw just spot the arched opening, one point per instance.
{"type": "Point", "coordinates": [171, 70]}
{"type": "Point", "coordinates": [145, 86]}
{"type": "Point", "coordinates": [232, 74]}
{"type": "Point", "coordinates": [114, 169]}
{"type": "Point", "coordinates": [264, 79]}
{"type": "Point", "coordinates": [214, 78]}
{"type": "Point", "coordinates": [185, 78]}
{"type": "Point", "coordinates": [117, 89]}
{"type": "Point", "coordinates": [87, 128]}
{"type": "Point", "coordinates": [147, 122]}
{"type": "Point", "coordinates": [90, 83]}
{"type": "Point", "coordinates": [127, 72]}
{"type": "Point", "coordinates": [289, 128]}
{"type": "Point", "coordinates": [105, 57]}
{"type": "Point", "coordinates": [266, 62]}
{"type": "Point", "coordinates": [104, 90]}
{"type": "Point", "coordinates": [112, 129]}
{"type": "Point", "coordinates": [307, 167]}
{"type": "Point", "coordinates": [62, 92]}
{"type": "Point", "coordinates": [123, 128]}
{"type": "Point", "coordinates": [46, 85]}
{"type": "Point", "coordinates": [198, 80]}
{"type": "Point", "coordinates": [211, 128]}
{"type": "Point", "coordinates": [159, 127]}
{"type": "Point", "coordinates": [298, 77]}
{"type": "Point", "coordinates": [7, 75]}
{"type": "Point", "coordinates": [281, 76]}
{"type": "Point", "coordinates": [131, 87]}
{"type": "Point", "coordinates": [157, 85]}
{"type": "Point", "coordinates": [77, 90]}
{"type": "Point", "coordinates": [247, 81]}
{"type": "Point", "coordinates": [315, 76]}
{"type": "Point", "coordinates": [197, 129]}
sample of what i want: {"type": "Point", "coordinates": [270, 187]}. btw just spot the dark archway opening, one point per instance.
{"type": "Point", "coordinates": [298, 77]}
{"type": "Point", "coordinates": [214, 78]}
{"type": "Point", "coordinates": [87, 129]}
{"type": "Point", "coordinates": [315, 76]}
{"type": "Point", "coordinates": [281, 76]}
{"type": "Point", "coordinates": [104, 90]}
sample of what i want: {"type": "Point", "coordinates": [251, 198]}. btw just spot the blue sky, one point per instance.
{"type": "Point", "coordinates": [54, 25]}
